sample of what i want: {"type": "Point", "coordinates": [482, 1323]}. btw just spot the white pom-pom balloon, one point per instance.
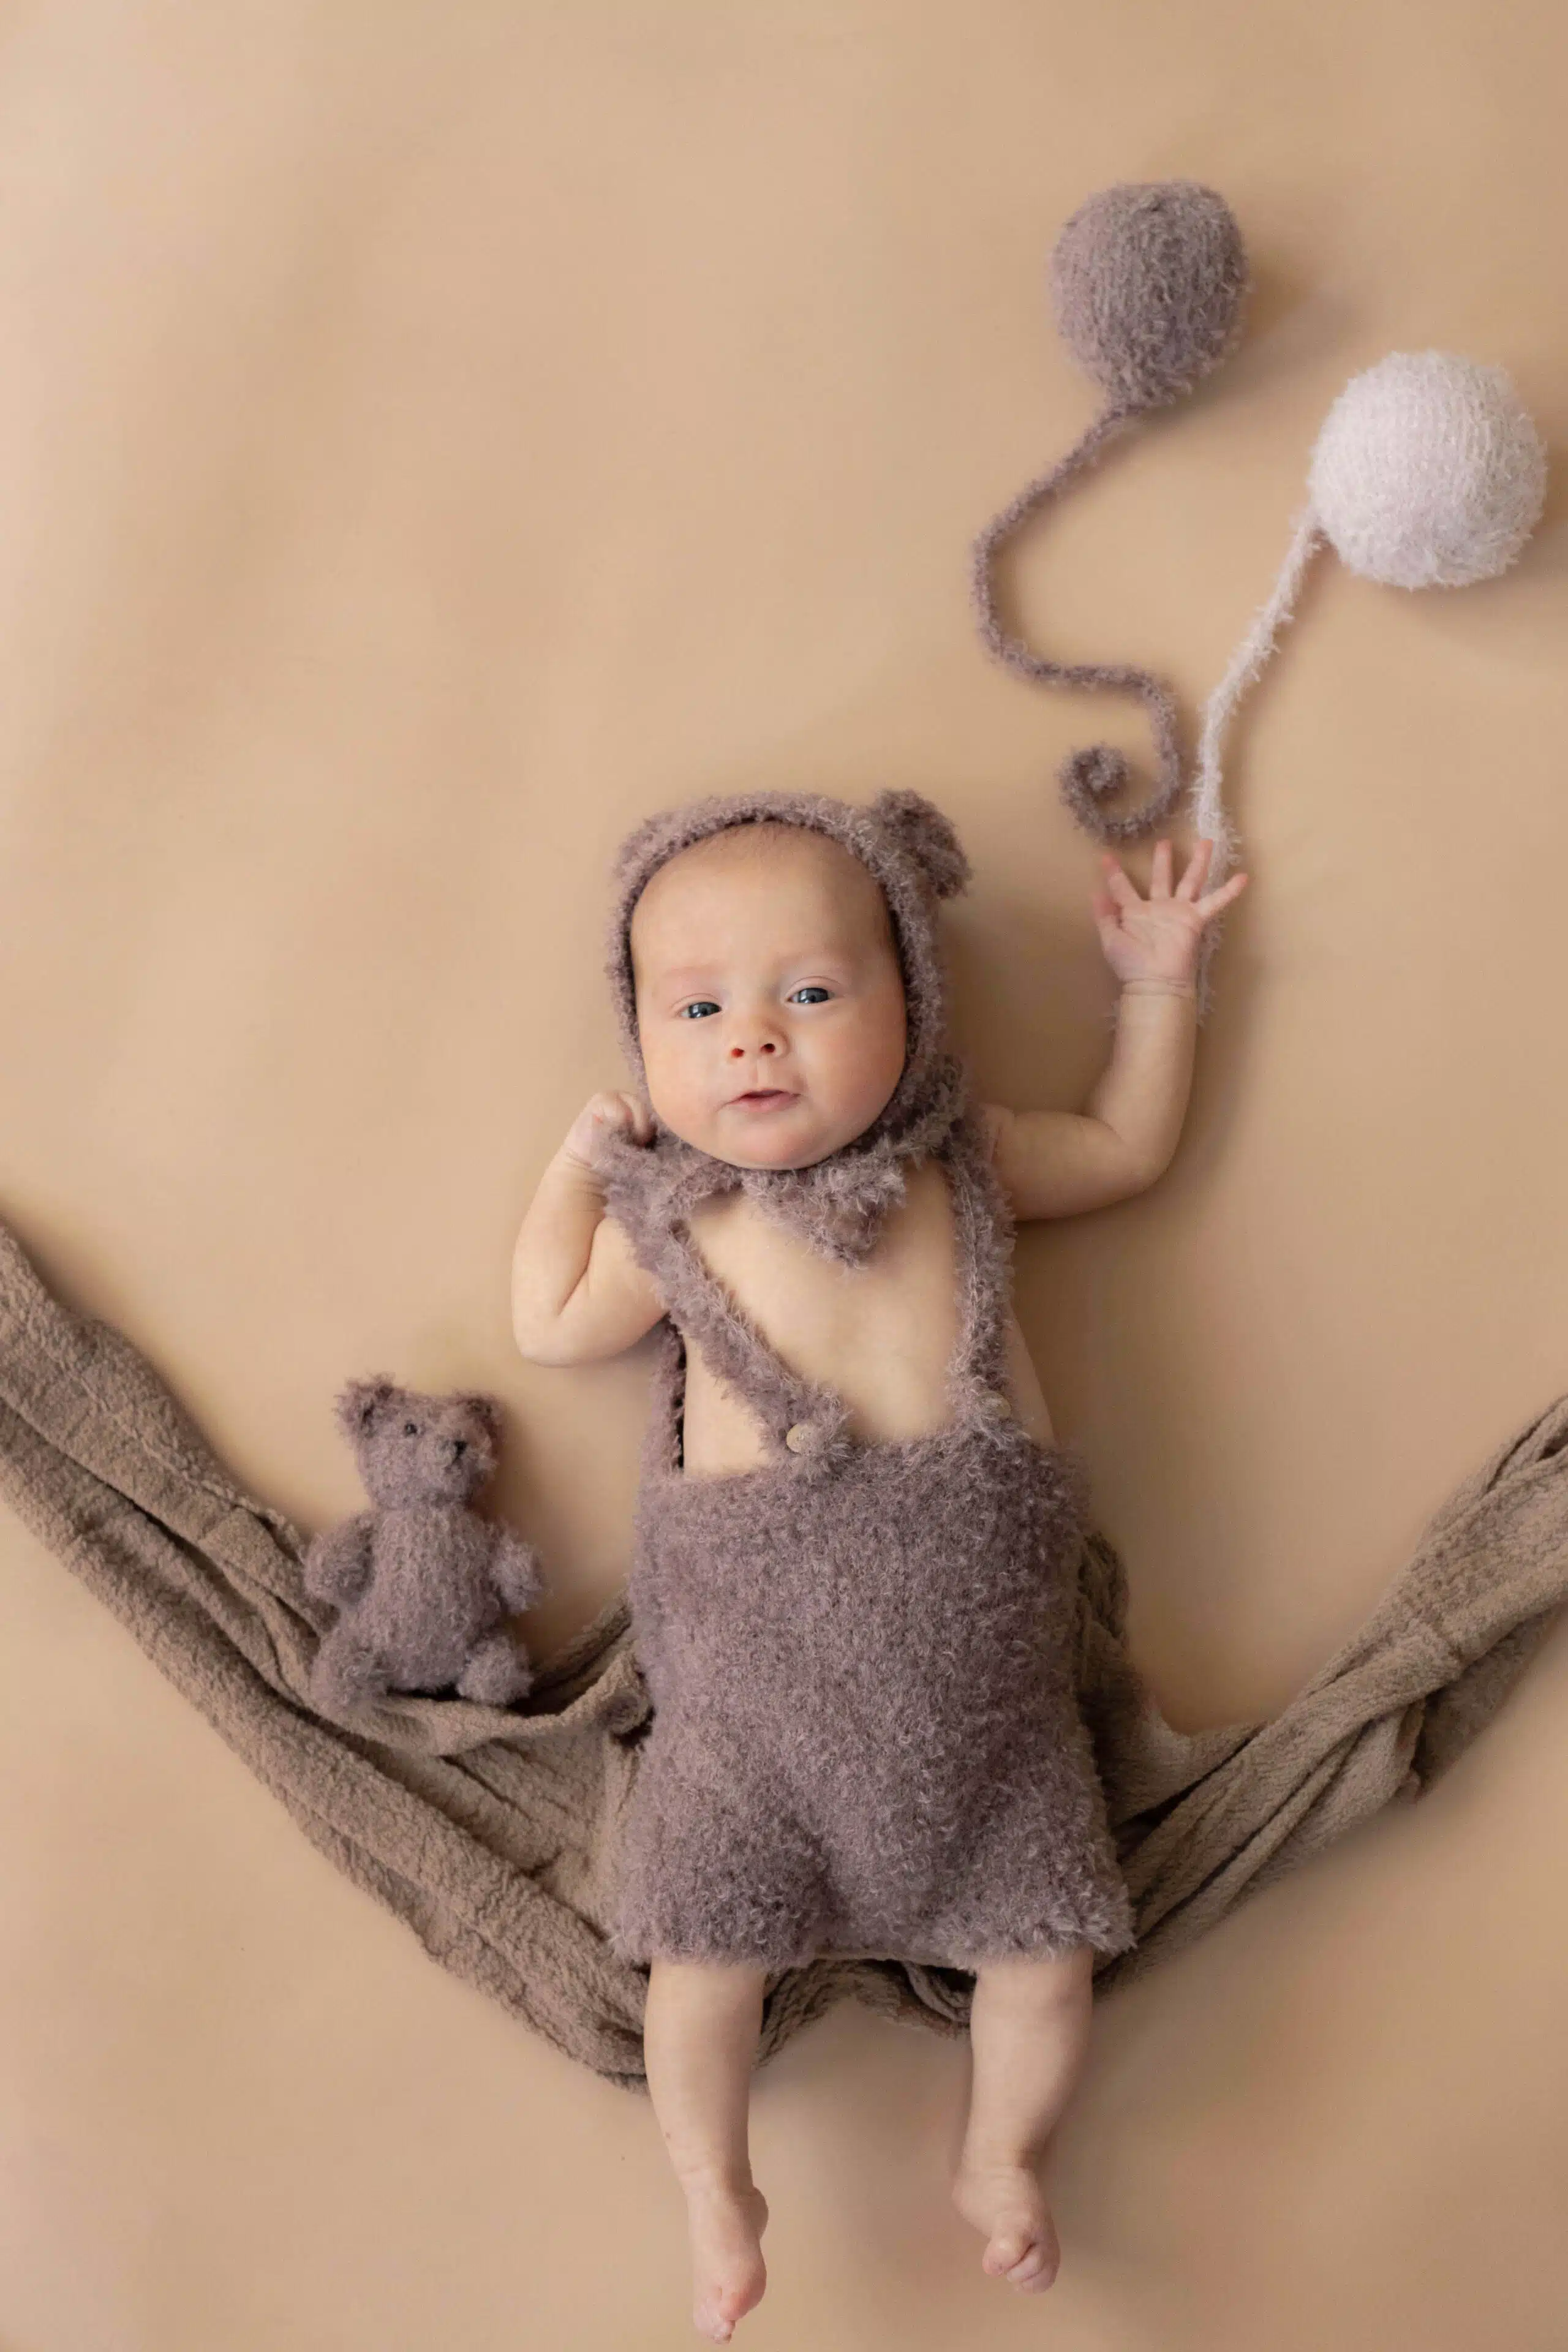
{"type": "Point", "coordinates": [1427, 473]}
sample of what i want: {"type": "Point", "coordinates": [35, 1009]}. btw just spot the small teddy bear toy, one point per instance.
{"type": "Point", "coordinates": [422, 1584]}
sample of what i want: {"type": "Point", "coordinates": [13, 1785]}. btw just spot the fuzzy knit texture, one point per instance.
{"type": "Point", "coordinates": [1428, 472]}
{"type": "Point", "coordinates": [866, 1739]}
{"type": "Point", "coordinates": [1209, 819]}
{"type": "Point", "coordinates": [423, 1587]}
{"type": "Point", "coordinates": [1149, 282]}
{"type": "Point", "coordinates": [487, 1829]}
{"type": "Point", "coordinates": [913, 854]}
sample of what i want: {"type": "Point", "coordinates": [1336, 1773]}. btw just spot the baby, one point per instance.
{"type": "Point", "coordinates": [854, 1575]}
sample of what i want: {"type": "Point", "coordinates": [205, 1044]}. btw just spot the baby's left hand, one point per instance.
{"type": "Point", "coordinates": [1157, 938]}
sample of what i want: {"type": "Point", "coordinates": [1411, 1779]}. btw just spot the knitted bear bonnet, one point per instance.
{"type": "Point", "coordinates": [913, 854]}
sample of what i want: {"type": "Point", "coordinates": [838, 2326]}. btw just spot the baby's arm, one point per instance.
{"type": "Point", "coordinates": [577, 1292]}
{"type": "Point", "coordinates": [1055, 1163]}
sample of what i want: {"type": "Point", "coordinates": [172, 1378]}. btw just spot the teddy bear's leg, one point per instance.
{"type": "Point", "coordinates": [348, 1670]}
{"type": "Point", "coordinates": [497, 1674]}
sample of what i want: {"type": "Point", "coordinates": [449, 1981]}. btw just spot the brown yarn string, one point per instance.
{"type": "Point", "coordinates": [1090, 775]}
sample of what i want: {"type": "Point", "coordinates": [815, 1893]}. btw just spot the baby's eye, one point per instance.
{"type": "Point", "coordinates": [812, 988]}
{"type": "Point", "coordinates": [701, 1005]}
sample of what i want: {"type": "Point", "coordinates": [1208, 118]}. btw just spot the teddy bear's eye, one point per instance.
{"type": "Point", "coordinates": [411, 1429]}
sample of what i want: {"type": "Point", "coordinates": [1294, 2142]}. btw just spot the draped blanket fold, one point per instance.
{"type": "Point", "coordinates": [492, 1832]}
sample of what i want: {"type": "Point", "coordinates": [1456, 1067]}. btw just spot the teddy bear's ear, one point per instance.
{"type": "Point", "coordinates": [486, 1408]}
{"type": "Point", "coordinates": [921, 829]}
{"type": "Point", "coordinates": [359, 1403]}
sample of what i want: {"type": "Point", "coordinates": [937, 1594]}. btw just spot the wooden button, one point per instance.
{"type": "Point", "coordinates": [797, 1436]}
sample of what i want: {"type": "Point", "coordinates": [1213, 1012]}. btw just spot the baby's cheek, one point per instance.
{"type": "Point", "coordinates": [677, 1099]}
{"type": "Point", "coordinates": [870, 1070]}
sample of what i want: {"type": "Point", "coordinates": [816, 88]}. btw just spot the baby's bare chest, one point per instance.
{"type": "Point", "coordinates": [883, 1335]}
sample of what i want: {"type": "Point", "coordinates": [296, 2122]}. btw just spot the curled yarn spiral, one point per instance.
{"type": "Point", "coordinates": [1147, 281]}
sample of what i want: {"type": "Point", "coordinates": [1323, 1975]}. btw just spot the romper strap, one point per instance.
{"type": "Point", "coordinates": [985, 1236]}
{"type": "Point", "coordinates": [800, 1418]}
{"type": "Point", "coordinates": [807, 1420]}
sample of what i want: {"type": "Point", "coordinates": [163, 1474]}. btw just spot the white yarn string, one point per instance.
{"type": "Point", "coordinates": [1427, 473]}
{"type": "Point", "coordinates": [1209, 819]}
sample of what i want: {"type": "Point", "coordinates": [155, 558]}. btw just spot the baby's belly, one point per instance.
{"type": "Point", "coordinates": [721, 1435]}
{"type": "Point", "coordinates": [883, 1336]}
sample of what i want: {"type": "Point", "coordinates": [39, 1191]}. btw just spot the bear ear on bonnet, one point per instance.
{"type": "Point", "coordinates": [927, 835]}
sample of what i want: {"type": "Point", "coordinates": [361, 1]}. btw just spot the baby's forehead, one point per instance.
{"type": "Point", "coordinates": [812, 866]}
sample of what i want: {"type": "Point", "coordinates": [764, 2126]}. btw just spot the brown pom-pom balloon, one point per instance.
{"type": "Point", "coordinates": [1147, 285]}
{"type": "Point", "coordinates": [1149, 280]}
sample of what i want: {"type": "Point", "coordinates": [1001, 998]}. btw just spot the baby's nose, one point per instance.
{"type": "Point", "coordinates": [764, 1046]}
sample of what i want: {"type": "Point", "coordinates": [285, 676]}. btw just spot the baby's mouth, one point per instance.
{"type": "Point", "coordinates": [762, 1098]}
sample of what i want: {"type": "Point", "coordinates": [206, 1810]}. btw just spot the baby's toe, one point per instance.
{"type": "Point", "coordinates": [717, 2314]}
{"type": "Point", "coordinates": [1006, 2203]}
{"type": "Point", "coordinates": [1036, 2267]}
{"type": "Point", "coordinates": [1006, 2249]}
{"type": "Point", "coordinates": [730, 2273]}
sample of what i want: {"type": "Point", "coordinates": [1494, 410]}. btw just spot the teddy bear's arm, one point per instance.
{"type": "Point", "coordinates": [515, 1570]}
{"type": "Point", "coordinates": [337, 1562]}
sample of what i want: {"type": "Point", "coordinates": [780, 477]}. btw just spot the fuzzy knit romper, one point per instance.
{"type": "Point", "coordinates": [866, 1737]}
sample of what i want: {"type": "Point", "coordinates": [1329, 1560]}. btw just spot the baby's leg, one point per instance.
{"type": "Point", "coordinates": [700, 2045]}
{"type": "Point", "coordinates": [1029, 2034]}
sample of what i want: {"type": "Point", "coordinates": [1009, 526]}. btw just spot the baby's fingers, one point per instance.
{"type": "Point", "coordinates": [1196, 867]}
{"type": "Point", "coordinates": [624, 1113]}
{"type": "Point", "coordinates": [1117, 881]}
{"type": "Point", "coordinates": [1107, 921]}
{"type": "Point", "coordinates": [1218, 898]}
{"type": "Point", "coordinates": [642, 1123]}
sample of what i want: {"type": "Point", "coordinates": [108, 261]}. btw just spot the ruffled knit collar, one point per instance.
{"type": "Point", "coordinates": [839, 1204]}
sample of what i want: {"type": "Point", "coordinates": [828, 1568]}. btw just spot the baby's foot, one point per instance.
{"type": "Point", "coordinates": [728, 2273]}
{"type": "Point", "coordinates": [1006, 2204]}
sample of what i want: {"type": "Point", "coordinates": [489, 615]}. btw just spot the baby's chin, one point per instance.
{"type": "Point", "coordinates": [783, 1139]}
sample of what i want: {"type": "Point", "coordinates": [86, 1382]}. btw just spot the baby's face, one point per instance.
{"type": "Point", "coordinates": [769, 1002]}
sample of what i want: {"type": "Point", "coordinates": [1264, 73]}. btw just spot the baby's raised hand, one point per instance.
{"type": "Point", "coordinates": [601, 1115]}
{"type": "Point", "coordinates": [1157, 938]}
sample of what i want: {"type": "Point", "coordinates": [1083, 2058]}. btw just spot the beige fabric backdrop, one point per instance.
{"type": "Point", "coordinates": [431, 438]}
